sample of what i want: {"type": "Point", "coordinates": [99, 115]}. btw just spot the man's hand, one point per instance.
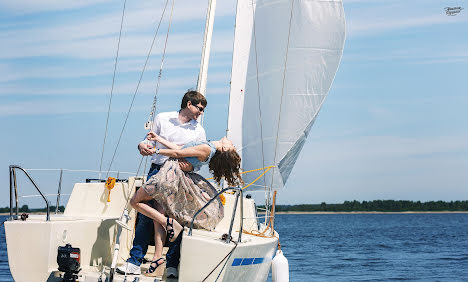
{"type": "Point", "coordinates": [145, 149]}
{"type": "Point", "coordinates": [152, 136]}
{"type": "Point", "coordinates": [185, 165]}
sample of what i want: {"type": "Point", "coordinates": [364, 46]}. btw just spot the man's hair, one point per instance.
{"type": "Point", "coordinates": [194, 97]}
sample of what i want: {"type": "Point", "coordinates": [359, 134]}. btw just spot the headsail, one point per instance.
{"type": "Point", "coordinates": [286, 54]}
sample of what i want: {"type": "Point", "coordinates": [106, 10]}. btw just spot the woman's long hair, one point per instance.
{"type": "Point", "coordinates": [226, 164]}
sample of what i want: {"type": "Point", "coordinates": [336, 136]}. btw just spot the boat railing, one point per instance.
{"type": "Point", "coordinates": [14, 189]}
{"type": "Point", "coordinates": [14, 196]}
{"type": "Point", "coordinates": [239, 193]}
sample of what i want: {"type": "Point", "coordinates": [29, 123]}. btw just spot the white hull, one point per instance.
{"type": "Point", "coordinates": [88, 223]}
{"type": "Point", "coordinates": [204, 253]}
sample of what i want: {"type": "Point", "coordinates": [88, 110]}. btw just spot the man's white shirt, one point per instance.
{"type": "Point", "coordinates": [168, 126]}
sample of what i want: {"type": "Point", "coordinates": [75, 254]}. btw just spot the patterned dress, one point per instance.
{"type": "Point", "coordinates": [182, 194]}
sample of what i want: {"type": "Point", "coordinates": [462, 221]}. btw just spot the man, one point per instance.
{"type": "Point", "coordinates": [181, 128]}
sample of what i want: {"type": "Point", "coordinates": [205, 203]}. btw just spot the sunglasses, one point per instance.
{"type": "Point", "coordinates": [201, 109]}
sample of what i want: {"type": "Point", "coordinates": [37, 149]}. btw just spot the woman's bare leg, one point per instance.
{"type": "Point", "coordinates": [157, 263]}
{"type": "Point", "coordinates": [137, 203]}
{"type": "Point", "coordinates": [159, 234]}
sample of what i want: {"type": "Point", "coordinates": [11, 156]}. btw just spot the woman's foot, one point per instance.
{"type": "Point", "coordinates": [156, 268]}
{"type": "Point", "coordinates": [173, 229]}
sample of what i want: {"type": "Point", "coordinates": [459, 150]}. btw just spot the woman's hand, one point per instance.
{"type": "Point", "coordinates": [185, 165]}
{"type": "Point", "coordinates": [151, 136]}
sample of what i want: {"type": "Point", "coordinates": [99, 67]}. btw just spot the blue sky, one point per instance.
{"type": "Point", "coordinates": [394, 125]}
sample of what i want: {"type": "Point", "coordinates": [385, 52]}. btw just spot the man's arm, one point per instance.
{"type": "Point", "coordinates": [154, 137]}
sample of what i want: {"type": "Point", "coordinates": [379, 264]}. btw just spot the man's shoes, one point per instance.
{"type": "Point", "coordinates": [171, 272]}
{"type": "Point", "coordinates": [129, 268]}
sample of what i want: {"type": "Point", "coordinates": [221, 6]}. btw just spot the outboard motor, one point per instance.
{"type": "Point", "coordinates": [68, 260]}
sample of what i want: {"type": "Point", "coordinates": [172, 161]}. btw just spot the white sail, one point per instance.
{"type": "Point", "coordinates": [282, 71]}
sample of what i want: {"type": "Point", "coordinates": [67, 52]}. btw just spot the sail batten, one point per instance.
{"type": "Point", "coordinates": [279, 88]}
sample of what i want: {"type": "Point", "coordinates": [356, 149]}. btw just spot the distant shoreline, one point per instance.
{"type": "Point", "coordinates": [368, 212]}
{"type": "Point", "coordinates": [314, 212]}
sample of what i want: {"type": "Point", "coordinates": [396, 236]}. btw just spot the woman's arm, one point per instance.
{"type": "Point", "coordinates": [154, 137]}
{"type": "Point", "coordinates": [201, 152]}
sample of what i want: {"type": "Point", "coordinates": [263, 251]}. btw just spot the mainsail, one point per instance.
{"type": "Point", "coordinates": [286, 54]}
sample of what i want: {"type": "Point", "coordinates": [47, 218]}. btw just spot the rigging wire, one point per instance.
{"type": "Point", "coordinates": [267, 199]}
{"type": "Point", "coordinates": [112, 88]}
{"type": "Point", "coordinates": [141, 77]}
{"type": "Point", "coordinates": [153, 108]}
{"type": "Point", "coordinates": [225, 259]}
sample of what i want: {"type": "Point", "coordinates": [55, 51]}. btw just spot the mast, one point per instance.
{"type": "Point", "coordinates": [203, 75]}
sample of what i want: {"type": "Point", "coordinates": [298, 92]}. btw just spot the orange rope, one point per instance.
{"type": "Point", "coordinates": [267, 168]}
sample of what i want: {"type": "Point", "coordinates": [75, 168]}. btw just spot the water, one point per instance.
{"type": "Point", "coordinates": [375, 247]}
{"type": "Point", "coordinates": [362, 247]}
{"type": "Point", "coordinates": [5, 274]}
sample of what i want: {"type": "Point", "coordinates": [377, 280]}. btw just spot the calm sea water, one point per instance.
{"type": "Point", "coordinates": [362, 247]}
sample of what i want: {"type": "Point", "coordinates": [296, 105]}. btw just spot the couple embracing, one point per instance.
{"type": "Point", "coordinates": [174, 191]}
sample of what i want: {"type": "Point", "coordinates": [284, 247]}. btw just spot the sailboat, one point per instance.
{"type": "Point", "coordinates": [285, 56]}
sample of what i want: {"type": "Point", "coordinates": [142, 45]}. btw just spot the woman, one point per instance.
{"type": "Point", "coordinates": [181, 194]}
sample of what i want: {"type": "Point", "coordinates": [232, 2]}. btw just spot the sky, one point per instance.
{"type": "Point", "coordinates": [394, 125]}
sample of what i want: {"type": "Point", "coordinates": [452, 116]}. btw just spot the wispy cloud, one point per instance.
{"type": "Point", "coordinates": [373, 25]}
{"type": "Point", "coordinates": [369, 18]}
{"type": "Point", "coordinates": [31, 6]}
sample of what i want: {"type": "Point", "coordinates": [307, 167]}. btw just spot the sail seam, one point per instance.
{"type": "Point", "coordinates": [282, 89]}
{"type": "Point", "coordinates": [258, 95]}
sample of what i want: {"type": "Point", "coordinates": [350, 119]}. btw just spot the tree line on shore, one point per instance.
{"type": "Point", "coordinates": [377, 205]}
{"type": "Point", "coordinates": [26, 209]}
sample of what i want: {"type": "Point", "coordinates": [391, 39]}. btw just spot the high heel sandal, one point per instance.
{"type": "Point", "coordinates": [157, 270]}
{"type": "Point", "coordinates": [173, 231]}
